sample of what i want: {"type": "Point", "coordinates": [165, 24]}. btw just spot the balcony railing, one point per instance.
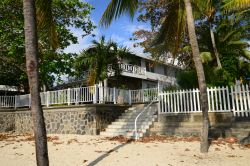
{"type": "Point", "coordinates": [133, 69]}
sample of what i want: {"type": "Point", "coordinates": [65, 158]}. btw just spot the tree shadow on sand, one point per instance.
{"type": "Point", "coordinates": [100, 158]}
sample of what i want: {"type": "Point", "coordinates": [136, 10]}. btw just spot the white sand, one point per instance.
{"type": "Point", "coordinates": [94, 150]}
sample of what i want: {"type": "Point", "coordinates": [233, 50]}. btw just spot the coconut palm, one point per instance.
{"type": "Point", "coordinates": [231, 5]}
{"type": "Point", "coordinates": [208, 9]}
{"type": "Point", "coordinates": [118, 7]}
{"type": "Point", "coordinates": [32, 65]}
{"type": "Point", "coordinates": [101, 59]}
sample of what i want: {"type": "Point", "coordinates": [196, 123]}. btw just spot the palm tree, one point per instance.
{"type": "Point", "coordinates": [201, 77]}
{"type": "Point", "coordinates": [100, 60]}
{"type": "Point", "coordinates": [208, 9]}
{"type": "Point", "coordinates": [118, 7]}
{"type": "Point", "coordinates": [31, 52]}
{"type": "Point", "coordinates": [230, 5]}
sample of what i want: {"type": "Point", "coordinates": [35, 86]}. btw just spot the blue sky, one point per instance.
{"type": "Point", "coordinates": [120, 30]}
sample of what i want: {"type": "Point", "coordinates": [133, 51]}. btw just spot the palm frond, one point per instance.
{"type": "Point", "coordinates": [116, 8]}
{"type": "Point", "coordinates": [231, 5]}
{"type": "Point", "coordinates": [45, 22]}
{"type": "Point", "coordinates": [206, 57]}
{"type": "Point", "coordinates": [172, 30]}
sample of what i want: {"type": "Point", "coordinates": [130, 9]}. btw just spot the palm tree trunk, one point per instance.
{"type": "Point", "coordinates": [201, 77]}
{"type": "Point", "coordinates": [31, 52]}
{"type": "Point", "coordinates": [214, 46]}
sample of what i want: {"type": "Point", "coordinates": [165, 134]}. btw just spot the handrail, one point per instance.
{"type": "Point", "coordinates": [136, 133]}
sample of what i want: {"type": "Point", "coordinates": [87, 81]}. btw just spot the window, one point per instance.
{"type": "Point", "coordinates": [149, 66]}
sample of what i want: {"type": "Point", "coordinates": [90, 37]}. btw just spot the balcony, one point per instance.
{"type": "Point", "coordinates": [134, 69]}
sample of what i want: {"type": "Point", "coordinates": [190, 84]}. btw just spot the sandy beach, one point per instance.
{"type": "Point", "coordinates": [79, 150]}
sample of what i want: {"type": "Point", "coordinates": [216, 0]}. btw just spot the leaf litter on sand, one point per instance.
{"type": "Point", "coordinates": [74, 140]}
{"type": "Point", "coordinates": [154, 138]}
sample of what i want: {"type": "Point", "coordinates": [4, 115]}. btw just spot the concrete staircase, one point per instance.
{"type": "Point", "coordinates": [125, 124]}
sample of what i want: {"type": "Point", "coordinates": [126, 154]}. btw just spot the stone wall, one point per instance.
{"type": "Point", "coordinates": [7, 121]}
{"type": "Point", "coordinates": [88, 119]}
{"type": "Point", "coordinates": [221, 125]}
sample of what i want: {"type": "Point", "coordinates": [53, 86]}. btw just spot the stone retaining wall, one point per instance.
{"type": "Point", "coordinates": [88, 119]}
{"type": "Point", "coordinates": [186, 124]}
{"type": "Point", "coordinates": [7, 122]}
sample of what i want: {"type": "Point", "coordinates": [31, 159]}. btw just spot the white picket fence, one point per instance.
{"type": "Point", "coordinates": [74, 96]}
{"type": "Point", "coordinates": [220, 99]}
{"type": "Point", "coordinates": [240, 100]}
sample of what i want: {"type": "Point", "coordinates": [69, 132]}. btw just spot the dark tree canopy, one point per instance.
{"type": "Point", "coordinates": [67, 14]}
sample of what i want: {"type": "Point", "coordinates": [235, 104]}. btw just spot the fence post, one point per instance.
{"type": "Point", "coordinates": [77, 91]}
{"type": "Point", "coordinates": [95, 94]}
{"type": "Point", "coordinates": [15, 101]}
{"type": "Point", "coordinates": [47, 98]}
{"type": "Point", "coordinates": [68, 96]}
{"type": "Point", "coordinates": [129, 97]}
{"type": "Point", "coordinates": [114, 91]}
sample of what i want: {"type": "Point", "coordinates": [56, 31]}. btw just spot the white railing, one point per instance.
{"type": "Point", "coordinates": [7, 101]}
{"type": "Point", "coordinates": [144, 95]}
{"type": "Point", "coordinates": [23, 100]}
{"type": "Point", "coordinates": [220, 99]}
{"type": "Point", "coordinates": [74, 96]}
{"type": "Point", "coordinates": [136, 134]}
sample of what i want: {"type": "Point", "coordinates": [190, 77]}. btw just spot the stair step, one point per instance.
{"type": "Point", "coordinates": [135, 115]}
{"type": "Point", "coordinates": [129, 134]}
{"type": "Point", "coordinates": [140, 119]}
{"type": "Point", "coordinates": [126, 127]}
{"type": "Point", "coordinates": [114, 130]}
{"type": "Point", "coordinates": [132, 123]}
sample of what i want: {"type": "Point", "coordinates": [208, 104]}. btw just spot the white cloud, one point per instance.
{"type": "Point", "coordinates": [83, 43]}
{"type": "Point", "coordinates": [117, 38]}
{"type": "Point", "coordinates": [131, 28]}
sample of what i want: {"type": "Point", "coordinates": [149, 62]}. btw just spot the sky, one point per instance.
{"type": "Point", "coordinates": [119, 31]}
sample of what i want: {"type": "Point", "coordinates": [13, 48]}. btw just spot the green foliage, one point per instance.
{"type": "Point", "coordinates": [171, 88]}
{"type": "Point", "coordinates": [116, 8]}
{"type": "Point", "coordinates": [101, 60]}
{"type": "Point", "coordinates": [66, 14]}
{"type": "Point", "coordinates": [187, 79]}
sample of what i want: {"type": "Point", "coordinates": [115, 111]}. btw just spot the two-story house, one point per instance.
{"type": "Point", "coordinates": [144, 72]}
{"type": "Point", "coordinates": [138, 72]}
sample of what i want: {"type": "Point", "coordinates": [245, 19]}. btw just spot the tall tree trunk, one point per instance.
{"type": "Point", "coordinates": [214, 46]}
{"type": "Point", "coordinates": [201, 77]}
{"type": "Point", "coordinates": [31, 52]}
